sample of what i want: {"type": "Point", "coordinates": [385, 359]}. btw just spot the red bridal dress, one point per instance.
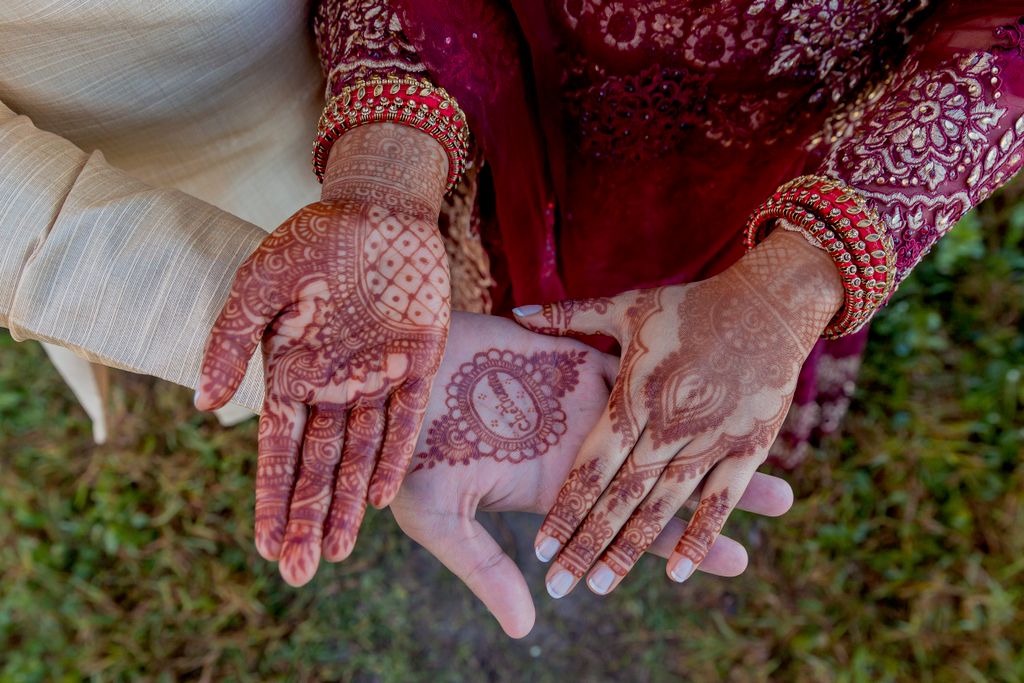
{"type": "Point", "coordinates": [621, 145]}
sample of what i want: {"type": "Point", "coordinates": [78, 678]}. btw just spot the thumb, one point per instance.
{"type": "Point", "coordinates": [232, 342]}
{"type": "Point", "coordinates": [571, 317]}
{"type": "Point", "coordinates": [469, 551]}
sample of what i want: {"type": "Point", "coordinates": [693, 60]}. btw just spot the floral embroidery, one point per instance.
{"type": "Point", "coordinates": [758, 6]}
{"type": "Point", "coordinates": [813, 49]}
{"type": "Point", "coordinates": [823, 32]}
{"type": "Point", "coordinates": [937, 125]}
{"type": "Point", "coordinates": [711, 41]}
{"type": "Point", "coordinates": [360, 38]}
{"type": "Point", "coordinates": [667, 29]}
{"type": "Point", "coordinates": [715, 34]}
{"type": "Point", "coordinates": [623, 27]}
{"type": "Point", "coordinates": [926, 154]}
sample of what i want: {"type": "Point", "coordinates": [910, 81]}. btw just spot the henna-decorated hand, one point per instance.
{"type": "Point", "coordinates": [350, 298]}
{"type": "Point", "coordinates": [707, 375]}
{"type": "Point", "coordinates": [508, 413]}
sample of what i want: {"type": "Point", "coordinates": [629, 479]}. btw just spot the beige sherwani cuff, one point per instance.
{"type": "Point", "coordinates": [120, 272]}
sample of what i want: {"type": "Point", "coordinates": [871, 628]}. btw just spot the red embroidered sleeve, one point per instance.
{"type": "Point", "coordinates": [358, 39]}
{"type": "Point", "coordinates": [944, 134]}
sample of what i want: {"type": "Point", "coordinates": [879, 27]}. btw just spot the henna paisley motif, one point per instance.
{"type": "Point", "coordinates": [686, 395]}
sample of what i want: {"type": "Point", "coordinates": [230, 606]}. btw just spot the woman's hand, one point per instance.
{"type": "Point", "coordinates": [508, 413]}
{"type": "Point", "coordinates": [350, 298]}
{"type": "Point", "coordinates": [706, 378]}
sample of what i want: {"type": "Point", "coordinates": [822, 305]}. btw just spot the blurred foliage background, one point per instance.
{"type": "Point", "coordinates": [903, 558]}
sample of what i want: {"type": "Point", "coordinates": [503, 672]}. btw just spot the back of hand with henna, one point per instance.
{"type": "Point", "coordinates": [507, 414]}
{"type": "Point", "coordinates": [706, 377]}
{"type": "Point", "coordinates": [350, 300]}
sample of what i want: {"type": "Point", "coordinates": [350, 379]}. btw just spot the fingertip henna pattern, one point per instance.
{"type": "Point", "coordinates": [577, 495]}
{"type": "Point", "coordinates": [559, 316]}
{"type": "Point", "coordinates": [280, 433]}
{"type": "Point", "coordinates": [503, 405]}
{"type": "Point", "coordinates": [630, 486]}
{"type": "Point", "coordinates": [636, 536]}
{"type": "Point", "coordinates": [705, 525]}
{"type": "Point", "coordinates": [321, 451]}
{"type": "Point", "coordinates": [363, 435]}
{"type": "Point", "coordinates": [586, 544]}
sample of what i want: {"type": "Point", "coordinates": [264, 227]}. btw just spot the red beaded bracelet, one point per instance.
{"type": "Point", "coordinates": [405, 100]}
{"type": "Point", "coordinates": [842, 223]}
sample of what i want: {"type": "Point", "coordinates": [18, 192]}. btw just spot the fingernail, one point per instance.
{"type": "Point", "coordinates": [529, 309]}
{"type": "Point", "coordinates": [547, 549]}
{"type": "Point", "coordinates": [195, 398]}
{"type": "Point", "coordinates": [682, 570]}
{"type": "Point", "coordinates": [601, 579]}
{"type": "Point", "coordinates": [560, 584]}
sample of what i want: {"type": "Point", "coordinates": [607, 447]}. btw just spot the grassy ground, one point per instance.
{"type": "Point", "coordinates": [903, 558]}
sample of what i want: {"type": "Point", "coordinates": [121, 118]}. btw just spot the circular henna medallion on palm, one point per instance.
{"type": "Point", "coordinates": [503, 405]}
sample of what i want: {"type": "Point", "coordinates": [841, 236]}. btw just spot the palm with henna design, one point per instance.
{"type": "Point", "coordinates": [350, 299]}
{"type": "Point", "coordinates": [707, 375]}
{"type": "Point", "coordinates": [507, 414]}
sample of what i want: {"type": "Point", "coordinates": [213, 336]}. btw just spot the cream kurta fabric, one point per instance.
{"type": "Point", "coordinates": [215, 99]}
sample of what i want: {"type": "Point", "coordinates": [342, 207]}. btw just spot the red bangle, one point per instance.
{"type": "Point", "coordinates": [841, 221]}
{"type": "Point", "coordinates": [405, 100]}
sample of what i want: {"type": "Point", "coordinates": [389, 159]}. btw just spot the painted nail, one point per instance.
{"type": "Point", "coordinates": [682, 570]}
{"type": "Point", "coordinates": [600, 580]}
{"type": "Point", "coordinates": [560, 584]}
{"type": "Point", "coordinates": [529, 309]}
{"type": "Point", "coordinates": [547, 548]}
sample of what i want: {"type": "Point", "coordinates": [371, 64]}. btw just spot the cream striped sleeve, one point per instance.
{"type": "Point", "coordinates": [120, 272]}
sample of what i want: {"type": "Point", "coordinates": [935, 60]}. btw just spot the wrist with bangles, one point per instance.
{"type": "Point", "coordinates": [401, 99]}
{"type": "Point", "coordinates": [839, 221]}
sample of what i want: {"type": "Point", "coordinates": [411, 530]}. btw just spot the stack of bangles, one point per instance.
{"type": "Point", "coordinates": [402, 99]}
{"type": "Point", "coordinates": [839, 220]}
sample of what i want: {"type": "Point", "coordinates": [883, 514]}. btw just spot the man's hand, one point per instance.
{"type": "Point", "coordinates": [350, 299]}
{"type": "Point", "coordinates": [707, 375]}
{"type": "Point", "coordinates": [508, 413]}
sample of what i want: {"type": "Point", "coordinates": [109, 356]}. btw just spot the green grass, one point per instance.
{"type": "Point", "coordinates": [903, 558]}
